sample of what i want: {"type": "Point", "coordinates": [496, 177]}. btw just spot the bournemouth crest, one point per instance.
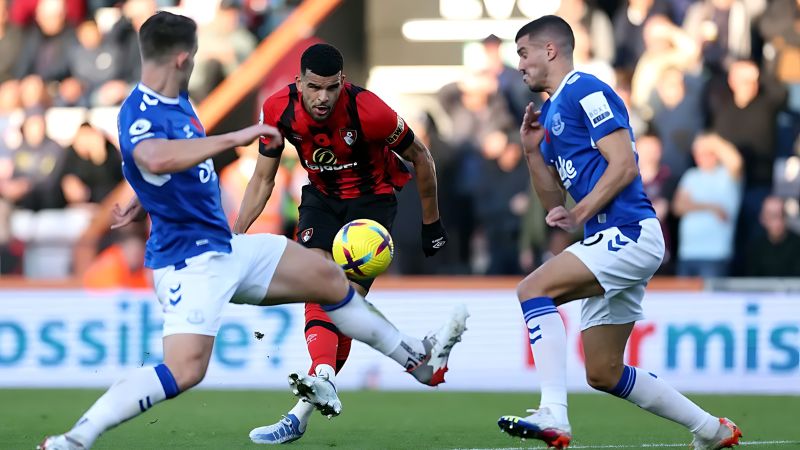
{"type": "Point", "coordinates": [306, 234]}
{"type": "Point", "coordinates": [349, 135]}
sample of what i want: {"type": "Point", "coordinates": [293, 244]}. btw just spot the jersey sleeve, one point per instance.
{"type": "Point", "coordinates": [270, 115]}
{"type": "Point", "coordinates": [602, 110]}
{"type": "Point", "coordinates": [136, 126]}
{"type": "Point", "coordinates": [381, 123]}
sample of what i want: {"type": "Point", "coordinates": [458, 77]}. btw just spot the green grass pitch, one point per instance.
{"type": "Point", "coordinates": [206, 419]}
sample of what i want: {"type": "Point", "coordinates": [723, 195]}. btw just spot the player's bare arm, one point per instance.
{"type": "Point", "coordinates": [161, 156]}
{"type": "Point", "coordinates": [617, 149]}
{"type": "Point", "coordinates": [543, 177]}
{"type": "Point", "coordinates": [257, 193]}
{"type": "Point", "coordinates": [421, 158]}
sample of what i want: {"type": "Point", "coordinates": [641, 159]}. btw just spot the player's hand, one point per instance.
{"type": "Point", "coordinates": [123, 216]}
{"type": "Point", "coordinates": [247, 135]}
{"type": "Point", "coordinates": [562, 218]}
{"type": "Point", "coordinates": [531, 131]}
{"type": "Point", "coordinates": [434, 237]}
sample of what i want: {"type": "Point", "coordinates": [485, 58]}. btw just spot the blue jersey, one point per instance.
{"type": "Point", "coordinates": [580, 112]}
{"type": "Point", "coordinates": [185, 207]}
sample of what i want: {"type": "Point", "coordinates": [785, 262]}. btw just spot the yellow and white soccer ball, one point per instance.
{"type": "Point", "coordinates": [363, 248]}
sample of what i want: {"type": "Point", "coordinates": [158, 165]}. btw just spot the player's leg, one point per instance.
{"type": "Point", "coordinates": [561, 279]}
{"type": "Point", "coordinates": [328, 349]}
{"type": "Point", "coordinates": [303, 273]}
{"type": "Point", "coordinates": [189, 330]}
{"type": "Point", "coordinates": [604, 347]}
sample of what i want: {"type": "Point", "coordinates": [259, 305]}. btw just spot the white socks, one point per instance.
{"type": "Point", "coordinates": [653, 394]}
{"type": "Point", "coordinates": [130, 396]}
{"type": "Point", "coordinates": [355, 318]}
{"type": "Point", "coordinates": [548, 339]}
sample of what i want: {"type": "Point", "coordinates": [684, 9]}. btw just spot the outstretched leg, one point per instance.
{"type": "Point", "coordinates": [186, 358]}
{"type": "Point", "coordinates": [604, 347]}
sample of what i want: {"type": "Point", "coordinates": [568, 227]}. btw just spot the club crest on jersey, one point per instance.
{"type": "Point", "coordinates": [558, 124]}
{"type": "Point", "coordinates": [348, 135]}
{"type": "Point", "coordinates": [306, 234]}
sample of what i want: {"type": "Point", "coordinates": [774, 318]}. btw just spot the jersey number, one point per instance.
{"type": "Point", "coordinates": [207, 172]}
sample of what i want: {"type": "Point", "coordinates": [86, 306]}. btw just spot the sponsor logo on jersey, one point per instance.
{"type": "Point", "coordinates": [348, 135]}
{"type": "Point", "coordinates": [324, 160]}
{"type": "Point", "coordinates": [558, 124]}
{"type": "Point", "coordinates": [306, 234]}
{"type": "Point", "coordinates": [397, 131]}
{"type": "Point", "coordinates": [596, 108]}
{"type": "Point", "coordinates": [566, 171]}
{"type": "Point", "coordinates": [323, 156]}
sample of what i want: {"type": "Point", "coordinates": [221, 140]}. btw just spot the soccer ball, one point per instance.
{"type": "Point", "coordinates": [363, 248]}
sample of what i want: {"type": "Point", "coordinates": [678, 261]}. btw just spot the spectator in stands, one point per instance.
{"type": "Point", "coordinates": [657, 182]}
{"type": "Point", "coordinates": [623, 89]}
{"type": "Point", "coordinates": [23, 12]}
{"type": "Point", "coordinates": [676, 113]}
{"type": "Point", "coordinates": [774, 253]}
{"type": "Point", "coordinates": [707, 201]}
{"type": "Point", "coordinates": [121, 265]}
{"type": "Point", "coordinates": [780, 26]}
{"type": "Point", "coordinates": [33, 93]}
{"type": "Point", "coordinates": [93, 63]}
{"type": "Point", "coordinates": [476, 109]}
{"type": "Point", "coordinates": [509, 80]}
{"type": "Point", "coordinates": [628, 28]}
{"type": "Point", "coordinates": [723, 29]}
{"type": "Point", "coordinates": [47, 43]}
{"type": "Point", "coordinates": [37, 164]}
{"type": "Point", "coordinates": [223, 45]}
{"type": "Point", "coordinates": [596, 24]}
{"type": "Point", "coordinates": [744, 112]}
{"type": "Point", "coordinates": [666, 45]}
{"type": "Point", "coordinates": [584, 60]}
{"type": "Point", "coordinates": [92, 167]}
{"type": "Point", "coordinates": [11, 39]}
{"type": "Point", "coordinates": [122, 38]}
{"type": "Point", "coordinates": [501, 200]}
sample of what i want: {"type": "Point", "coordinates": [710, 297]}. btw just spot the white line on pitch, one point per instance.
{"type": "Point", "coordinates": [665, 445]}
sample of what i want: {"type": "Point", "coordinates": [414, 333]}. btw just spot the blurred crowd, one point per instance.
{"type": "Point", "coordinates": [66, 66]}
{"type": "Point", "coordinates": [713, 90]}
{"type": "Point", "coordinates": [712, 86]}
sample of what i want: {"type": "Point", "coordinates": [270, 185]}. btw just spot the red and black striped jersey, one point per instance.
{"type": "Point", "coordinates": [352, 152]}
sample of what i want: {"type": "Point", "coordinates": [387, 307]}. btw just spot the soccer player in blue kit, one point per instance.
{"type": "Point", "coordinates": [198, 266]}
{"type": "Point", "coordinates": [581, 142]}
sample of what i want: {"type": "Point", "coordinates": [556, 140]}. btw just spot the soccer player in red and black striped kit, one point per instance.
{"type": "Point", "coordinates": [348, 141]}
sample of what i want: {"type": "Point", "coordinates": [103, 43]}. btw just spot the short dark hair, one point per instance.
{"type": "Point", "coordinates": [550, 24]}
{"type": "Point", "coordinates": [165, 32]}
{"type": "Point", "coordinates": [324, 60]}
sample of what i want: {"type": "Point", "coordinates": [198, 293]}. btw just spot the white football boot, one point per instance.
{"type": "Point", "coordinates": [317, 390]}
{"type": "Point", "coordinates": [438, 347]}
{"type": "Point", "coordinates": [60, 442]}
{"type": "Point", "coordinates": [727, 436]}
{"type": "Point", "coordinates": [539, 425]}
{"type": "Point", "coordinates": [283, 432]}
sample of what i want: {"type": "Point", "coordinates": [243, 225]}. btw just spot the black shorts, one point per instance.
{"type": "Point", "coordinates": [321, 217]}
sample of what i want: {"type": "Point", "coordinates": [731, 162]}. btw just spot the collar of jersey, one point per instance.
{"type": "Point", "coordinates": [161, 98]}
{"type": "Point", "coordinates": [561, 86]}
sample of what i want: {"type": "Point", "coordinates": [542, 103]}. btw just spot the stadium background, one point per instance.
{"type": "Point", "coordinates": [723, 312]}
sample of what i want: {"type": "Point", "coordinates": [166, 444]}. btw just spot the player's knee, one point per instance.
{"type": "Point", "coordinates": [335, 286]}
{"type": "Point", "coordinates": [602, 378]}
{"type": "Point", "coordinates": [531, 287]}
{"type": "Point", "coordinates": [189, 374]}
